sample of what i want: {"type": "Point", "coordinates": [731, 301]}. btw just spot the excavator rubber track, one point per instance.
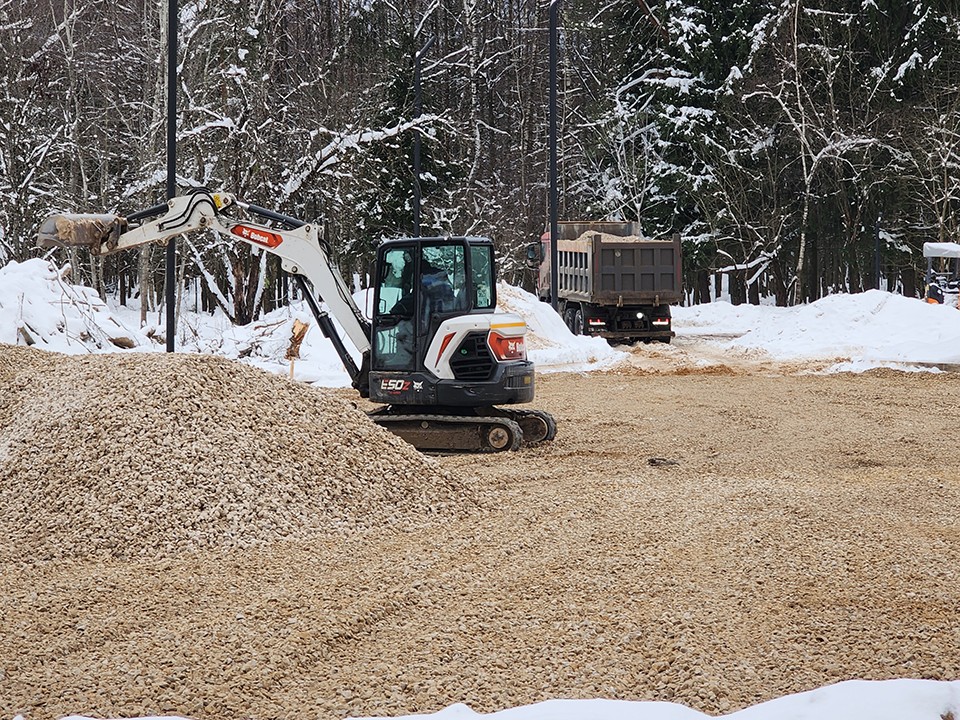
{"type": "Point", "coordinates": [453, 433]}
{"type": "Point", "coordinates": [537, 426]}
{"type": "Point", "coordinates": [494, 430]}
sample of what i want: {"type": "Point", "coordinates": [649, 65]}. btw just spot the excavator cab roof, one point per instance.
{"type": "Point", "coordinates": [468, 239]}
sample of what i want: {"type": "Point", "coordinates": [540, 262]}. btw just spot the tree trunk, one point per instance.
{"type": "Point", "coordinates": [780, 290]}
{"type": "Point", "coordinates": [701, 292]}
{"type": "Point", "coordinates": [738, 289]}
{"type": "Point", "coordinates": [908, 277]}
{"type": "Point", "coordinates": [146, 284]}
{"type": "Point", "coordinates": [180, 274]}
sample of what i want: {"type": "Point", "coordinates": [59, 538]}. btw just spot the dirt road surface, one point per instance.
{"type": "Point", "coordinates": [705, 530]}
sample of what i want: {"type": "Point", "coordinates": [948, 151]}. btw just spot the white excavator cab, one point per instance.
{"type": "Point", "coordinates": [436, 338]}
{"type": "Point", "coordinates": [420, 283]}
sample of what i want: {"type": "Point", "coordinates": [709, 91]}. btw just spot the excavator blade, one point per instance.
{"type": "Point", "coordinates": [98, 233]}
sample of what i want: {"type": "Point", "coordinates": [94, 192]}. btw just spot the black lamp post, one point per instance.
{"type": "Point", "coordinates": [417, 112]}
{"type": "Point", "coordinates": [554, 193]}
{"type": "Point", "coordinates": [171, 256]}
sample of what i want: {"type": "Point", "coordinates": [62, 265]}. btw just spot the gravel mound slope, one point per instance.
{"type": "Point", "coordinates": [147, 455]}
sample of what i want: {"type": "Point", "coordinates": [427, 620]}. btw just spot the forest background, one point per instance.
{"type": "Point", "coordinates": [799, 148]}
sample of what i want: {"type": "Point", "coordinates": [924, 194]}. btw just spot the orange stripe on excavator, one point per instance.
{"type": "Point", "coordinates": [264, 238]}
{"type": "Point", "coordinates": [443, 345]}
{"type": "Point", "coordinates": [507, 325]}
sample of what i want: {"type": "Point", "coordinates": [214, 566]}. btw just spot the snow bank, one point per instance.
{"type": "Point", "coordinates": [870, 329]}
{"type": "Point", "coordinates": [38, 302]}
{"type": "Point", "coordinates": [38, 305]}
{"type": "Point", "coordinates": [723, 319]}
{"type": "Point", "coordinates": [877, 700]}
{"type": "Point", "coordinates": [264, 344]}
{"type": "Point", "coordinates": [550, 344]}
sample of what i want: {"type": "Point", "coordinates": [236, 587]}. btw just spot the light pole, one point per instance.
{"type": "Point", "coordinates": [554, 193]}
{"type": "Point", "coordinates": [171, 256]}
{"type": "Point", "coordinates": [417, 112]}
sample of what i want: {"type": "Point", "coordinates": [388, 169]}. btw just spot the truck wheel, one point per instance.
{"type": "Point", "coordinates": [568, 318]}
{"type": "Point", "coordinates": [577, 328]}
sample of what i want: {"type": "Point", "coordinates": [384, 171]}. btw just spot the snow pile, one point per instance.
{"type": "Point", "coordinates": [56, 315]}
{"type": "Point", "coordinates": [870, 329]}
{"type": "Point", "coordinates": [873, 329]}
{"type": "Point", "coordinates": [38, 305]}
{"type": "Point", "coordinates": [877, 700]}
{"type": "Point", "coordinates": [722, 319]}
{"type": "Point", "coordinates": [264, 343]}
{"type": "Point", "coordinates": [550, 344]}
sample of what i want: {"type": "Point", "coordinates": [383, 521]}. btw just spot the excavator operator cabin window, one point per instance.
{"type": "Point", "coordinates": [443, 276]}
{"type": "Point", "coordinates": [395, 343]}
{"type": "Point", "coordinates": [481, 261]}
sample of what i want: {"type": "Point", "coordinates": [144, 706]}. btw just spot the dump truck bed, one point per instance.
{"type": "Point", "coordinates": [607, 269]}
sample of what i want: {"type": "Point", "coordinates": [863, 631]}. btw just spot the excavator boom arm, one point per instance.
{"type": "Point", "coordinates": [299, 248]}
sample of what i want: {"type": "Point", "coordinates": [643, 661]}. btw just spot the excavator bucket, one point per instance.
{"type": "Point", "coordinates": [98, 233]}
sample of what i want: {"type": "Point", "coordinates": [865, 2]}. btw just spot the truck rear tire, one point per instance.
{"type": "Point", "coordinates": [577, 328]}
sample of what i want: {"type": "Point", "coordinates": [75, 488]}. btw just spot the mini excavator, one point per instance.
{"type": "Point", "coordinates": [435, 356]}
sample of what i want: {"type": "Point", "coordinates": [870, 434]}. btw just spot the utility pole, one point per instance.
{"type": "Point", "coordinates": [554, 192]}
{"type": "Point", "coordinates": [417, 112]}
{"type": "Point", "coordinates": [171, 257]}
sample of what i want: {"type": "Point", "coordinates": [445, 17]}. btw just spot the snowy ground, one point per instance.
{"type": "Point", "coordinates": [883, 700]}
{"type": "Point", "coordinates": [843, 332]}
{"type": "Point", "coordinates": [39, 305]}
{"type": "Point", "coordinates": [873, 700]}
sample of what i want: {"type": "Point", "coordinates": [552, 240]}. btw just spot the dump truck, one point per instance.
{"type": "Point", "coordinates": [613, 282]}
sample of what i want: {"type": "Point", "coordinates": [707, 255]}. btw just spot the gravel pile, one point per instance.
{"type": "Point", "coordinates": [148, 455]}
{"type": "Point", "coordinates": [794, 531]}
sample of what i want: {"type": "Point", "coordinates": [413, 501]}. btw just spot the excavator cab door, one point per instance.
{"type": "Point", "coordinates": [394, 313]}
{"type": "Point", "coordinates": [444, 288]}
{"type": "Point", "coordinates": [422, 282]}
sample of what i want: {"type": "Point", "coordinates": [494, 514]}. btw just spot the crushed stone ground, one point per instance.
{"type": "Point", "coordinates": [715, 539]}
{"type": "Point", "coordinates": [150, 455]}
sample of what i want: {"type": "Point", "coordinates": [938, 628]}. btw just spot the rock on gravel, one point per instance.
{"type": "Point", "coordinates": [147, 455]}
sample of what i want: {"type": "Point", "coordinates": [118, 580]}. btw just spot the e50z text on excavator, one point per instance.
{"type": "Point", "coordinates": [436, 355]}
